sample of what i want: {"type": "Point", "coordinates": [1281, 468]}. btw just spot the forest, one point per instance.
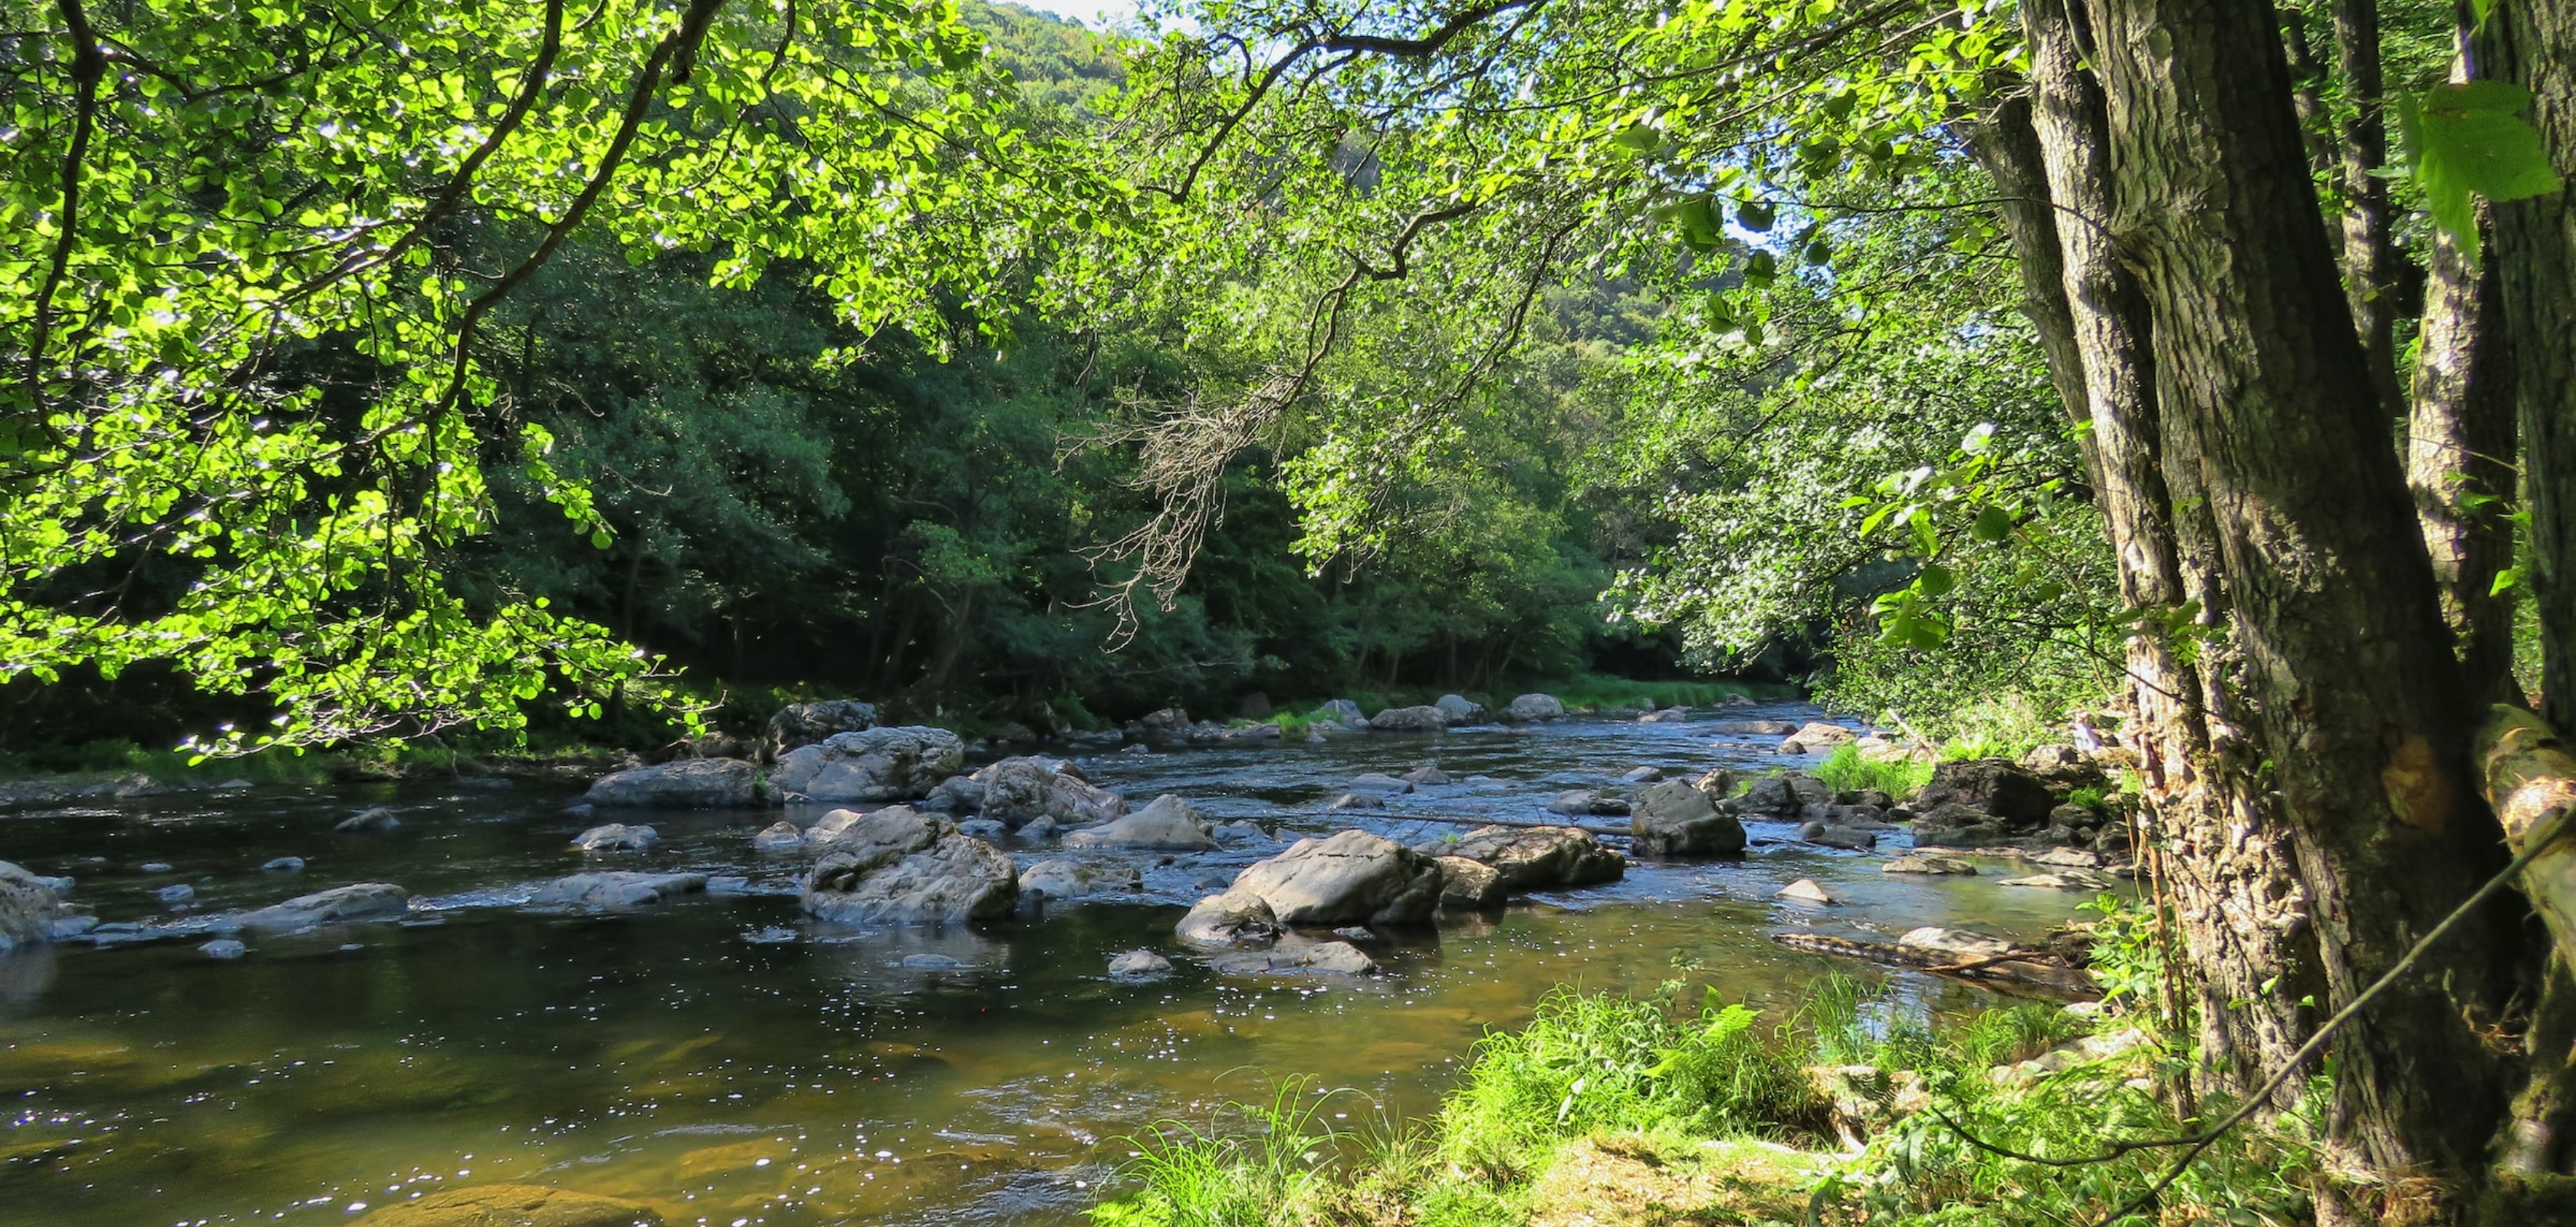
{"type": "Point", "coordinates": [388, 390]}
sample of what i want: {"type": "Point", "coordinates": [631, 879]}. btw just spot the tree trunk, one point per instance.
{"type": "Point", "coordinates": [2008, 147]}
{"type": "Point", "coordinates": [2533, 43]}
{"type": "Point", "coordinates": [2344, 676]}
{"type": "Point", "coordinates": [2227, 858]}
{"type": "Point", "coordinates": [2369, 255]}
{"type": "Point", "coordinates": [2459, 461]}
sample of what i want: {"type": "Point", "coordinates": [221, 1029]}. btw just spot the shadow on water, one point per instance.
{"type": "Point", "coordinates": [725, 1060]}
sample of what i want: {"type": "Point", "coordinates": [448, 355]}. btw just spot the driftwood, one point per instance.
{"type": "Point", "coordinates": [2033, 969]}
{"type": "Point", "coordinates": [2529, 776]}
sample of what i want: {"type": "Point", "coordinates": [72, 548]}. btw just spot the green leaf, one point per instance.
{"type": "Point", "coordinates": [1993, 524]}
{"type": "Point", "coordinates": [1935, 580]}
{"type": "Point", "coordinates": [1755, 215]}
{"type": "Point", "coordinates": [2466, 140]}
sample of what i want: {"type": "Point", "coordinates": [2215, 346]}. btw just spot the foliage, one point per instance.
{"type": "Point", "coordinates": [1845, 770]}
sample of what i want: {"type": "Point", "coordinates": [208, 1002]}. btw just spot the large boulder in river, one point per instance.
{"type": "Point", "coordinates": [1537, 858]}
{"type": "Point", "coordinates": [603, 891]}
{"type": "Point", "coordinates": [1959, 826]}
{"type": "Point", "coordinates": [1469, 886]}
{"type": "Point", "coordinates": [513, 1205]}
{"type": "Point", "coordinates": [688, 783]}
{"type": "Point", "coordinates": [1169, 824]}
{"type": "Point", "coordinates": [1534, 707]}
{"type": "Point", "coordinates": [1340, 713]}
{"type": "Point", "coordinates": [1460, 710]}
{"type": "Point", "coordinates": [1409, 720]}
{"type": "Point", "coordinates": [899, 866]}
{"type": "Point", "coordinates": [1351, 877]}
{"type": "Point", "coordinates": [1995, 786]}
{"type": "Point", "coordinates": [803, 724]}
{"type": "Point", "coordinates": [900, 763]}
{"type": "Point", "coordinates": [27, 907]}
{"type": "Point", "coordinates": [1674, 819]}
{"type": "Point", "coordinates": [360, 901]}
{"type": "Point", "coordinates": [1016, 790]}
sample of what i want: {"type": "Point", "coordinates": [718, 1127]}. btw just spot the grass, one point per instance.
{"type": "Point", "coordinates": [1619, 1110]}
{"type": "Point", "coordinates": [1845, 770]}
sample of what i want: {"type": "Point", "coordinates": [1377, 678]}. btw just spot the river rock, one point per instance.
{"type": "Point", "coordinates": [223, 948]}
{"type": "Point", "coordinates": [1241, 829]}
{"type": "Point", "coordinates": [359, 901]}
{"type": "Point", "coordinates": [1379, 781]}
{"type": "Point", "coordinates": [1769, 795]}
{"type": "Point", "coordinates": [1340, 713]}
{"type": "Point", "coordinates": [986, 829]}
{"type": "Point", "coordinates": [1673, 819]}
{"type": "Point", "coordinates": [1409, 720]}
{"type": "Point", "coordinates": [1294, 955]}
{"type": "Point", "coordinates": [803, 724]}
{"type": "Point", "coordinates": [898, 763]}
{"type": "Point", "coordinates": [1577, 801]}
{"type": "Point", "coordinates": [1349, 877]}
{"type": "Point", "coordinates": [688, 783]}
{"type": "Point", "coordinates": [284, 864]}
{"type": "Point", "coordinates": [27, 907]}
{"type": "Point", "coordinates": [1642, 775]}
{"type": "Point", "coordinates": [1252, 732]}
{"type": "Point", "coordinates": [1168, 824]}
{"type": "Point", "coordinates": [1805, 890]}
{"type": "Point", "coordinates": [899, 865]}
{"type": "Point", "coordinates": [513, 1205]}
{"type": "Point", "coordinates": [1753, 728]}
{"type": "Point", "coordinates": [1460, 710]}
{"type": "Point", "coordinates": [1068, 879]}
{"type": "Point", "coordinates": [1469, 886]}
{"type": "Point", "coordinates": [1669, 715]}
{"type": "Point", "coordinates": [1427, 775]}
{"type": "Point", "coordinates": [616, 837]}
{"type": "Point", "coordinates": [1993, 786]}
{"type": "Point", "coordinates": [1928, 862]}
{"type": "Point", "coordinates": [1533, 708]}
{"type": "Point", "coordinates": [616, 890]}
{"type": "Point", "coordinates": [1039, 829]}
{"type": "Point", "coordinates": [1232, 917]}
{"type": "Point", "coordinates": [1019, 789]}
{"type": "Point", "coordinates": [373, 818]}
{"type": "Point", "coordinates": [2069, 858]}
{"type": "Point", "coordinates": [2064, 879]}
{"type": "Point", "coordinates": [1959, 826]}
{"type": "Point", "coordinates": [1359, 800]}
{"type": "Point", "coordinates": [175, 895]}
{"type": "Point", "coordinates": [1827, 836]}
{"type": "Point", "coordinates": [1537, 858]}
{"type": "Point", "coordinates": [1959, 944]}
{"type": "Point", "coordinates": [1139, 965]}
{"type": "Point", "coordinates": [958, 794]}
{"type": "Point", "coordinates": [780, 836]}
{"type": "Point", "coordinates": [1818, 734]}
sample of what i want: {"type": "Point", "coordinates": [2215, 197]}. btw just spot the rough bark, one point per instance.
{"type": "Point", "coordinates": [2369, 254]}
{"type": "Point", "coordinates": [2226, 859]}
{"type": "Point", "coordinates": [2533, 43]}
{"type": "Point", "coordinates": [2459, 462]}
{"type": "Point", "coordinates": [2346, 681]}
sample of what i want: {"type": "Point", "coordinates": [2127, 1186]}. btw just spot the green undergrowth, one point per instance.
{"type": "Point", "coordinates": [1613, 1110]}
{"type": "Point", "coordinates": [1845, 770]}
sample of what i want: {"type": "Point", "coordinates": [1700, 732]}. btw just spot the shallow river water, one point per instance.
{"type": "Point", "coordinates": [731, 1063]}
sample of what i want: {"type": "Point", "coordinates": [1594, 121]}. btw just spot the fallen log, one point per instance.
{"type": "Point", "coordinates": [2033, 969]}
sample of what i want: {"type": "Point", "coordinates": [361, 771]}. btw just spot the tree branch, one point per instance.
{"type": "Point", "coordinates": [89, 65]}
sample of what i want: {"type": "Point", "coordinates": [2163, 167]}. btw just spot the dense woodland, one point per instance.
{"type": "Point", "coordinates": [2198, 370]}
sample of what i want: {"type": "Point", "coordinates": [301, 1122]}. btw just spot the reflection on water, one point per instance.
{"type": "Point", "coordinates": [726, 1061]}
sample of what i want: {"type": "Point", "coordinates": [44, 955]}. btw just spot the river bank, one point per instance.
{"type": "Point", "coordinates": [726, 1056]}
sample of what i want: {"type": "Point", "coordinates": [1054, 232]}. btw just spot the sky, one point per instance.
{"type": "Point", "coordinates": [1089, 12]}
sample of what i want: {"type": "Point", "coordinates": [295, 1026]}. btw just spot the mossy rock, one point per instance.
{"type": "Point", "coordinates": [514, 1205]}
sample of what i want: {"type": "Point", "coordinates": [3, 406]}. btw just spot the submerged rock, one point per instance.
{"type": "Point", "coordinates": [1358, 800]}
{"type": "Point", "coordinates": [1139, 965]}
{"type": "Point", "coordinates": [616, 837]}
{"type": "Point", "coordinates": [1428, 775]}
{"type": "Point", "coordinates": [1674, 819]}
{"type": "Point", "coordinates": [359, 901]}
{"type": "Point", "coordinates": [2064, 879]}
{"type": "Point", "coordinates": [375, 818]}
{"type": "Point", "coordinates": [901, 866]}
{"type": "Point", "coordinates": [1295, 955]}
{"type": "Point", "coordinates": [27, 907]}
{"type": "Point", "coordinates": [223, 948]}
{"type": "Point", "coordinates": [1579, 801]}
{"type": "Point", "coordinates": [1379, 781]}
{"type": "Point", "coordinates": [1349, 877]}
{"type": "Point", "coordinates": [900, 763]}
{"type": "Point", "coordinates": [176, 895]}
{"type": "Point", "coordinates": [1230, 918]}
{"type": "Point", "coordinates": [284, 864]}
{"type": "Point", "coordinates": [688, 783]}
{"type": "Point", "coordinates": [616, 890]}
{"type": "Point", "coordinates": [513, 1205]}
{"type": "Point", "coordinates": [1169, 824]}
{"type": "Point", "coordinates": [1016, 790]}
{"type": "Point", "coordinates": [1536, 858]}
{"type": "Point", "coordinates": [1069, 879]}
{"type": "Point", "coordinates": [1752, 728]}
{"type": "Point", "coordinates": [1530, 708]}
{"type": "Point", "coordinates": [1928, 862]}
{"type": "Point", "coordinates": [1409, 720]}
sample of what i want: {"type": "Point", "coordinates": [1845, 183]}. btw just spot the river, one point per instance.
{"type": "Point", "coordinates": [731, 1063]}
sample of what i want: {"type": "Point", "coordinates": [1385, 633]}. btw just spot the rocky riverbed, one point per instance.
{"type": "Point", "coordinates": [288, 1004]}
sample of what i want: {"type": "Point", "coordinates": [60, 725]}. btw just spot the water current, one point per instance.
{"type": "Point", "coordinates": [731, 1063]}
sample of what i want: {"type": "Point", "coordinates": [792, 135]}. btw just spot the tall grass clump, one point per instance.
{"type": "Point", "coordinates": [1267, 1171]}
{"type": "Point", "coordinates": [1845, 770]}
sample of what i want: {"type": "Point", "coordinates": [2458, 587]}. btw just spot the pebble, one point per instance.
{"type": "Point", "coordinates": [223, 948]}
